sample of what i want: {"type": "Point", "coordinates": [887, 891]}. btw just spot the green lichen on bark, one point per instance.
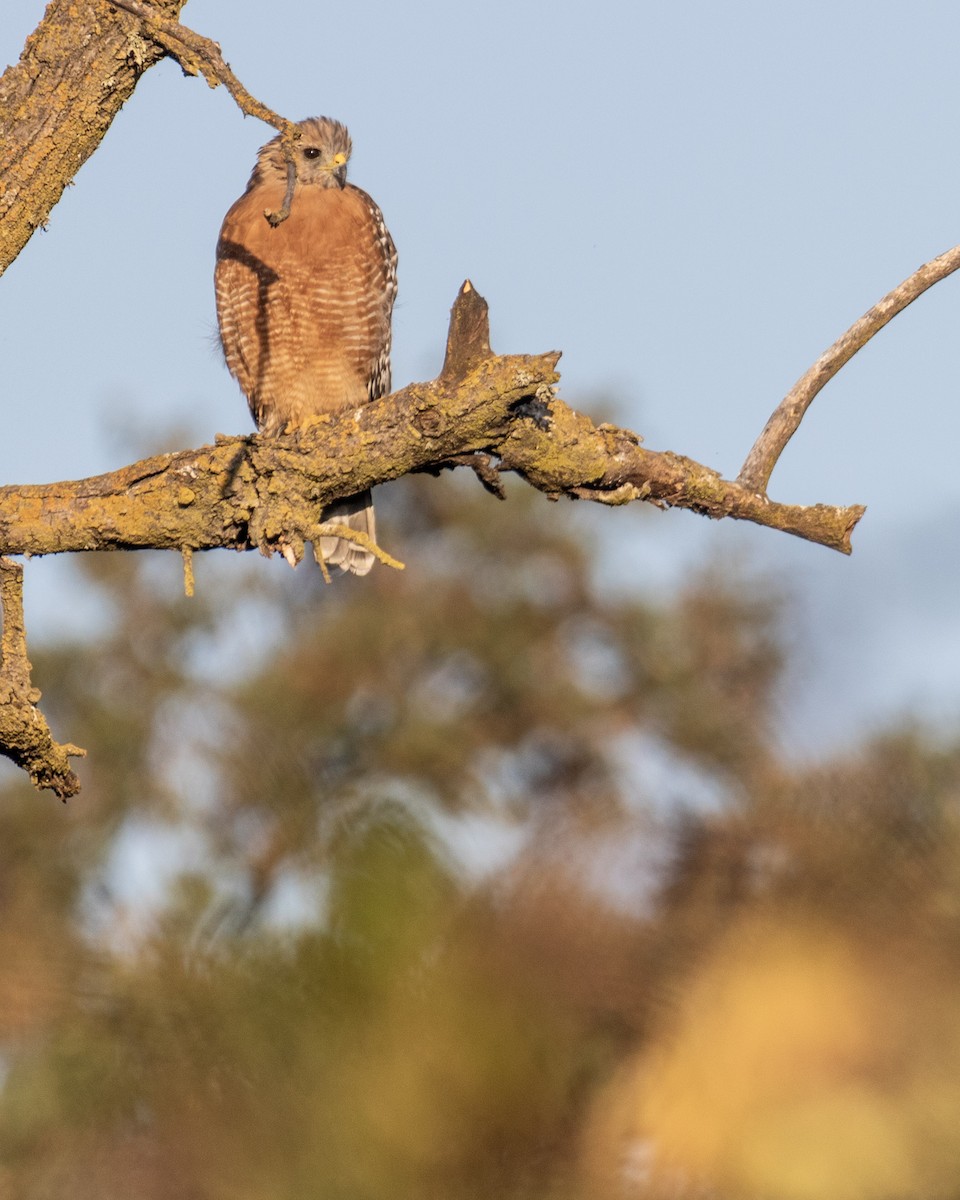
{"type": "Point", "coordinates": [25, 737]}
{"type": "Point", "coordinates": [250, 492]}
{"type": "Point", "coordinates": [77, 69]}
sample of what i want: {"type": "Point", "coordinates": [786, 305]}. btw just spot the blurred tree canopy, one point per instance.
{"type": "Point", "coordinates": [470, 881]}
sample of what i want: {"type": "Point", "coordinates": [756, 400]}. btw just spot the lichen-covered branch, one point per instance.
{"type": "Point", "coordinates": [24, 735]}
{"type": "Point", "coordinates": [609, 465]}
{"type": "Point", "coordinates": [267, 493]}
{"type": "Point", "coordinates": [199, 55]}
{"type": "Point", "coordinates": [255, 491]}
{"type": "Point", "coordinates": [77, 68]}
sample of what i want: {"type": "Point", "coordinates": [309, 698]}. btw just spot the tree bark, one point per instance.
{"type": "Point", "coordinates": [77, 69]}
{"type": "Point", "coordinates": [24, 735]}
{"type": "Point", "coordinates": [267, 492]}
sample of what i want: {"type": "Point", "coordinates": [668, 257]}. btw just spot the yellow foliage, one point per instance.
{"type": "Point", "coordinates": [798, 1065]}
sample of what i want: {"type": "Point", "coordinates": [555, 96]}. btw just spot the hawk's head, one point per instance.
{"type": "Point", "coordinates": [321, 154]}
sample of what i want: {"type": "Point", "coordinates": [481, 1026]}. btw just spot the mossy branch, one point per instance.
{"type": "Point", "coordinates": [268, 493]}
{"type": "Point", "coordinates": [24, 735]}
{"type": "Point", "coordinates": [256, 491]}
{"type": "Point", "coordinates": [77, 69]}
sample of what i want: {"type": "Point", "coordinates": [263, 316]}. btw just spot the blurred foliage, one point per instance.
{"type": "Point", "coordinates": [480, 879]}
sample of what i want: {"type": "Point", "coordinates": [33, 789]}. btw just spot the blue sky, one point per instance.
{"type": "Point", "coordinates": [691, 200]}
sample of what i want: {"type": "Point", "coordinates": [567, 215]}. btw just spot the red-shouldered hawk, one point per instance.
{"type": "Point", "coordinates": [305, 308]}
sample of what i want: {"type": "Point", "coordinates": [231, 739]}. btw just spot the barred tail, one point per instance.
{"type": "Point", "coordinates": [356, 512]}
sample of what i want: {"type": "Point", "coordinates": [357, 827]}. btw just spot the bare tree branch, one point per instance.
{"type": "Point", "coordinates": [199, 55]}
{"type": "Point", "coordinates": [246, 492]}
{"type": "Point", "coordinates": [484, 466]}
{"type": "Point", "coordinates": [58, 102]}
{"type": "Point", "coordinates": [24, 735]}
{"type": "Point", "coordinates": [264, 492]}
{"type": "Point", "coordinates": [267, 493]}
{"type": "Point", "coordinates": [783, 424]}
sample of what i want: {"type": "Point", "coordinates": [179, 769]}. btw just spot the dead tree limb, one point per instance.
{"type": "Point", "coordinates": [261, 492]}
{"type": "Point", "coordinates": [247, 492]}
{"type": "Point", "coordinates": [24, 735]}
{"type": "Point", "coordinates": [267, 493]}
{"type": "Point", "coordinates": [77, 69]}
{"type": "Point", "coordinates": [198, 55]}
{"type": "Point", "coordinates": [783, 424]}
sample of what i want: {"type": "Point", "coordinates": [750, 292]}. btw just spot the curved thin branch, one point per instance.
{"type": "Point", "coordinates": [199, 55]}
{"type": "Point", "coordinates": [783, 424]}
{"type": "Point", "coordinates": [280, 215]}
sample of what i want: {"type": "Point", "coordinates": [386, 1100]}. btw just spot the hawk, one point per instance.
{"type": "Point", "coordinates": [304, 308]}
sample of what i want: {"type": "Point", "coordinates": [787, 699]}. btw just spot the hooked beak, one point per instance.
{"type": "Point", "coordinates": [340, 169]}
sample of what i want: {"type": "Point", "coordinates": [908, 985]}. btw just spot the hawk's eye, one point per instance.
{"type": "Point", "coordinates": [311, 152]}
